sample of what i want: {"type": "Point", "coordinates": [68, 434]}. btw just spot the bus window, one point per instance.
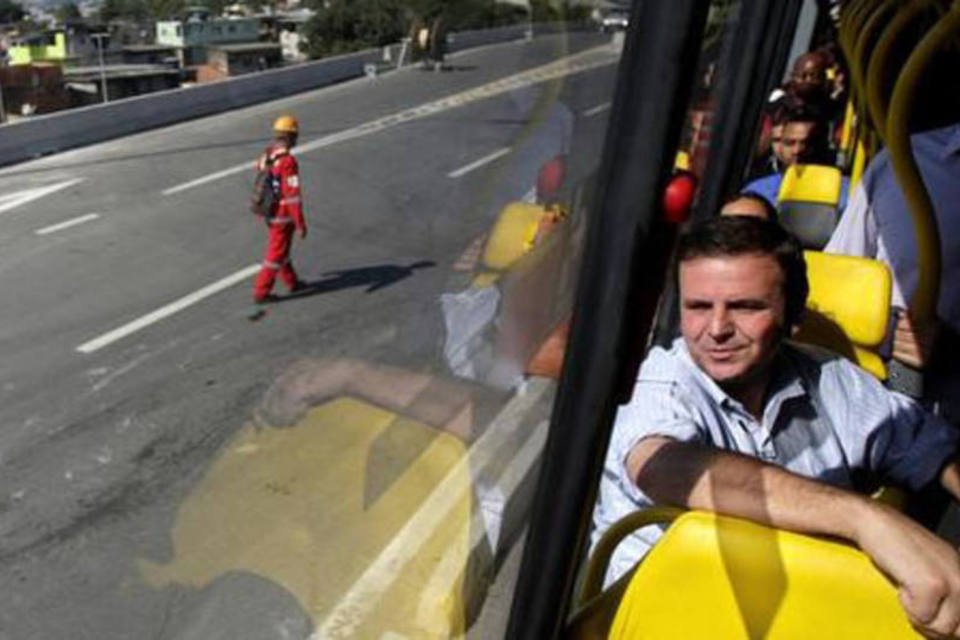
{"type": "Point", "coordinates": [352, 458]}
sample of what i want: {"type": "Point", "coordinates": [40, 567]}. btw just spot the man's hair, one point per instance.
{"type": "Point", "coordinates": [804, 113]}
{"type": "Point", "coordinates": [772, 213]}
{"type": "Point", "coordinates": [744, 235]}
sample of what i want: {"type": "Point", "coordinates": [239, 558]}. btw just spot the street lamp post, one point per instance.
{"type": "Point", "coordinates": [4, 59]}
{"type": "Point", "coordinates": [103, 74]}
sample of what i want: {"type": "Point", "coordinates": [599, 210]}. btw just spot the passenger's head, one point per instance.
{"type": "Point", "coordinates": [808, 78]}
{"type": "Point", "coordinates": [749, 203]}
{"type": "Point", "coordinates": [777, 120]}
{"type": "Point", "coordinates": [743, 287]}
{"type": "Point", "coordinates": [803, 138]}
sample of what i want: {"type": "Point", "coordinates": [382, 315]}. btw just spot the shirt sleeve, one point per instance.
{"type": "Point", "coordinates": [912, 446]}
{"type": "Point", "coordinates": [886, 432]}
{"type": "Point", "coordinates": [290, 196]}
{"type": "Point", "coordinates": [856, 233]}
{"type": "Point", "coordinates": [656, 409]}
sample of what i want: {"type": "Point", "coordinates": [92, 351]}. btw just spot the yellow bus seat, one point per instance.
{"type": "Point", "coordinates": [713, 576]}
{"type": "Point", "coordinates": [848, 309]}
{"type": "Point", "coordinates": [513, 235]}
{"type": "Point", "coordinates": [309, 506]}
{"type": "Point", "coordinates": [807, 202]}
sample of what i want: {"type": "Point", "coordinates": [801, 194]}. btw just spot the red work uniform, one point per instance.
{"type": "Point", "coordinates": [286, 218]}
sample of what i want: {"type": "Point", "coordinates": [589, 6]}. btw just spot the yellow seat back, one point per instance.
{"type": "Point", "coordinates": [511, 235]}
{"type": "Point", "coordinates": [848, 307]}
{"type": "Point", "coordinates": [811, 183]}
{"type": "Point", "coordinates": [807, 202]}
{"type": "Point", "coordinates": [712, 576]}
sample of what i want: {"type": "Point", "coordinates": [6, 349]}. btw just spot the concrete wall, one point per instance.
{"type": "Point", "coordinates": [62, 130]}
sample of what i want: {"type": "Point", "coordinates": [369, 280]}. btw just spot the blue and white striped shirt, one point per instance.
{"type": "Point", "coordinates": [824, 418]}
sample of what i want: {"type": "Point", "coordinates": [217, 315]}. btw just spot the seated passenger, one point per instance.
{"type": "Point", "coordinates": [803, 141]}
{"type": "Point", "coordinates": [735, 419]}
{"type": "Point", "coordinates": [769, 156]}
{"type": "Point", "coordinates": [809, 86]}
{"type": "Point", "coordinates": [749, 203]}
{"type": "Point", "coordinates": [877, 224]}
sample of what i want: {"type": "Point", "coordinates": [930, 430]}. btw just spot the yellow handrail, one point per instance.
{"type": "Point", "coordinates": [600, 558]}
{"type": "Point", "coordinates": [924, 302]}
{"type": "Point", "coordinates": [875, 19]}
{"type": "Point", "coordinates": [878, 65]}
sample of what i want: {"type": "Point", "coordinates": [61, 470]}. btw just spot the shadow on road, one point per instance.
{"type": "Point", "coordinates": [373, 278]}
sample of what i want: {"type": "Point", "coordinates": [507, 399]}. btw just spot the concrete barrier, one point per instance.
{"type": "Point", "coordinates": [46, 134]}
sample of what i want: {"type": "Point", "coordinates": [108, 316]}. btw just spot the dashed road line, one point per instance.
{"type": "Point", "coordinates": [168, 310]}
{"type": "Point", "coordinates": [346, 616]}
{"type": "Point", "coordinates": [600, 108]}
{"type": "Point", "coordinates": [66, 224]}
{"type": "Point", "coordinates": [584, 61]}
{"type": "Point", "coordinates": [13, 200]}
{"type": "Point", "coordinates": [485, 160]}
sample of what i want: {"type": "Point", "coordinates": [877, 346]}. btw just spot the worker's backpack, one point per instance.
{"type": "Point", "coordinates": [266, 188]}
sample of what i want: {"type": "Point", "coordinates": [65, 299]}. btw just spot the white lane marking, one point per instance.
{"type": "Point", "coordinates": [66, 224]}
{"type": "Point", "coordinates": [559, 68]}
{"type": "Point", "coordinates": [366, 592]}
{"type": "Point", "coordinates": [167, 310]}
{"type": "Point", "coordinates": [19, 198]}
{"type": "Point", "coordinates": [462, 171]}
{"type": "Point", "coordinates": [454, 562]}
{"type": "Point", "coordinates": [600, 108]}
{"type": "Point", "coordinates": [125, 369]}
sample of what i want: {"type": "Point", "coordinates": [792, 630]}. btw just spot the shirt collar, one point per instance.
{"type": "Point", "coordinates": [786, 382]}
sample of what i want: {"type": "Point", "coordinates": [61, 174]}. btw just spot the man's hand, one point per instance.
{"type": "Point", "coordinates": [913, 342]}
{"type": "Point", "coordinates": [924, 567]}
{"type": "Point", "coordinates": [303, 232]}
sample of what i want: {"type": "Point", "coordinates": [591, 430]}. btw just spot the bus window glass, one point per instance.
{"type": "Point", "coordinates": [722, 22]}
{"type": "Point", "coordinates": [353, 458]}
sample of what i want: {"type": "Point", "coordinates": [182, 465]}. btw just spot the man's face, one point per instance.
{"type": "Point", "coordinates": [795, 143]}
{"type": "Point", "coordinates": [809, 75]}
{"type": "Point", "coordinates": [776, 141]}
{"type": "Point", "coordinates": [732, 314]}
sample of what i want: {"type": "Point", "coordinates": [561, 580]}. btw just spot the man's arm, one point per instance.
{"type": "Point", "coordinates": [925, 568]}
{"type": "Point", "coordinates": [950, 478]}
{"type": "Point", "coordinates": [290, 193]}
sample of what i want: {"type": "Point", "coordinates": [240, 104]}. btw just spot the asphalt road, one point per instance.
{"type": "Point", "coordinates": [99, 447]}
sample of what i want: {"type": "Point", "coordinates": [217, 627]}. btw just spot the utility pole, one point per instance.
{"type": "Point", "coordinates": [103, 74]}
{"type": "Point", "coordinates": [4, 60]}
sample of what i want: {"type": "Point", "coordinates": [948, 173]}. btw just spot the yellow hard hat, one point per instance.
{"type": "Point", "coordinates": [286, 124]}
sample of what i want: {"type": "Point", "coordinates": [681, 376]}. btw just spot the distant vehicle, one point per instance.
{"type": "Point", "coordinates": [614, 20]}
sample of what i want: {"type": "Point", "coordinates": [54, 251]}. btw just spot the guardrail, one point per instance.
{"type": "Point", "coordinates": [50, 133]}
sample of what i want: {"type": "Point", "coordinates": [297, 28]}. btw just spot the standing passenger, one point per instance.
{"type": "Point", "coordinates": [286, 214]}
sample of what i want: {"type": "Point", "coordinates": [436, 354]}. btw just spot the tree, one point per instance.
{"type": "Point", "coordinates": [348, 25]}
{"type": "Point", "coordinates": [67, 11]}
{"type": "Point", "coordinates": [11, 12]}
{"type": "Point", "coordinates": [345, 25]}
{"type": "Point", "coordinates": [111, 10]}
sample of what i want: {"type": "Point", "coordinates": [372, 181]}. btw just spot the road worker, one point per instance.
{"type": "Point", "coordinates": [286, 212]}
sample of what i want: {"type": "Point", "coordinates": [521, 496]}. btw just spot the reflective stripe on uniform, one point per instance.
{"type": "Point", "coordinates": [273, 266]}
{"type": "Point", "coordinates": [291, 200]}
{"type": "Point", "coordinates": [281, 221]}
